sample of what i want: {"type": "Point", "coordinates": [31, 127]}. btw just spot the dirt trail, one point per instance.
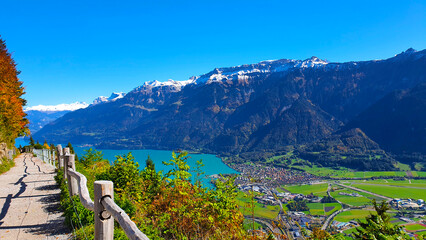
{"type": "Point", "coordinates": [29, 201]}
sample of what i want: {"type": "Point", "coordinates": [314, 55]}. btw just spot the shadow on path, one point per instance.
{"type": "Point", "coordinates": [6, 207]}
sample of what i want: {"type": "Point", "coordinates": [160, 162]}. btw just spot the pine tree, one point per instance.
{"type": "Point", "coordinates": [150, 164]}
{"type": "Point", "coordinates": [71, 148]}
{"type": "Point", "coordinates": [378, 226]}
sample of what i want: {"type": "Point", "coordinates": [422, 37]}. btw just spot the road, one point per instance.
{"type": "Point", "coordinates": [361, 190]}
{"type": "Point", "coordinates": [390, 185]}
{"type": "Point", "coordinates": [327, 221]}
{"type": "Point", "coordinates": [29, 201]}
{"type": "Point", "coordinates": [271, 228]}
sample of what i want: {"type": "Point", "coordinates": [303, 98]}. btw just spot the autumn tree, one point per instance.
{"type": "Point", "coordinates": [12, 117]}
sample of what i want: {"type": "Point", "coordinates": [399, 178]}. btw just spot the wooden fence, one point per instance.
{"type": "Point", "coordinates": [106, 210]}
{"type": "Point", "coordinates": [46, 155]}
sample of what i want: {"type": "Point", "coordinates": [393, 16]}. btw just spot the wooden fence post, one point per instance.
{"type": "Point", "coordinates": [54, 158]}
{"type": "Point", "coordinates": [66, 157]}
{"type": "Point", "coordinates": [72, 182]}
{"type": "Point", "coordinates": [67, 152]}
{"type": "Point", "coordinates": [104, 222]}
{"type": "Point", "coordinates": [60, 156]}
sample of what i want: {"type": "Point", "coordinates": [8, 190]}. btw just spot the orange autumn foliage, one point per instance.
{"type": "Point", "coordinates": [12, 116]}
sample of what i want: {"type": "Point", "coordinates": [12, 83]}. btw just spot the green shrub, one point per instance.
{"type": "Point", "coordinates": [6, 164]}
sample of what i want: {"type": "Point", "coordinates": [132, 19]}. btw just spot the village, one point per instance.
{"type": "Point", "coordinates": [267, 183]}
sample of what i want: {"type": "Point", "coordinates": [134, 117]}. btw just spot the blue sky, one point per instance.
{"type": "Point", "coordinates": [76, 50]}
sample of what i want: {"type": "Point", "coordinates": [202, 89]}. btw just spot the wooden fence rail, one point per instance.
{"type": "Point", "coordinates": [106, 210]}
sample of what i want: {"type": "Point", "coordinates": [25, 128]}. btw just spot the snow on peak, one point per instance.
{"type": "Point", "coordinates": [100, 99]}
{"type": "Point", "coordinates": [239, 72]}
{"type": "Point", "coordinates": [114, 96]}
{"type": "Point", "coordinates": [177, 85]}
{"type": "Point", "coordinates": [311, 63]}
{"type": "Point", "coordinates": [59, 107]}
{"type": "Point", "coordinates": [169, 82]}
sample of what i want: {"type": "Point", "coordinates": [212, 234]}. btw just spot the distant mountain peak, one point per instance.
{"type": "Point", "coordinates": [59, 107]}
{"type": "Point", "coordinates": [114, 96]}
{"type": "Point", "coordinates": [176, 85]}
{"type": "Point", "coordinates": [410, 50]}
{"type": "Point", "coordinates": [409, 53]}
{"type": "Point", "coordinates": [311, 62]}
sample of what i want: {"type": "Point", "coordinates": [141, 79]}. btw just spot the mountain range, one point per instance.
{"type": "Point", "coordinates": [316, 108]}
{"type": "Point", "coordinates": [41, 115]}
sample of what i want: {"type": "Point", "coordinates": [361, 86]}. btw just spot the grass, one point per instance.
{"type": "Point", "coordinates": [353, 201]}
{"type": "Point", "coordinates": [403, 167]}
{"type": "Point", "coordinates": [316, 189]}
{"type": "Point", "coordinates": [394, 192]}
{"type": "Point", "coordinates": [419, 174]}
{"type": "Point", "coordinates": [348, 173]}
{"type": "Point", "coordinates": [318, 208]}
{"type": "Point", "coordinates": [329, 172]}
{"type": "Point", "coordinates": [248, 224]}
{"type": "Point", "coordinates": [351, 215]}
{"type": "Point", "coordinates": [414, 227]}
{"type": "Point", "coordinates": [406, 183]}
{"type": "Point", "coordinates": [6, 165]}
{"type": "Point", "coordinates": [260, 210]}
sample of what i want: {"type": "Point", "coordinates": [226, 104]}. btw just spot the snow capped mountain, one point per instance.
{"type": "Point", "coordinates": [238, 72]}
{"type": "Point", "coordinates": [253, 109]}
{"type": "Point", "coordinates": [114, 96]}
{"type": "Point", "coordinates": [75, 106]}
{"type": "Point", "coordinates": [59, 107]}
{"type": "Point", "coordinates": [174, 85]}
{"type": "Point", "coordinates": [269, 66]}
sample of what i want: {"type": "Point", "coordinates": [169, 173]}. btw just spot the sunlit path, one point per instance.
{"type": "Point", "coordinates": [29, 202]}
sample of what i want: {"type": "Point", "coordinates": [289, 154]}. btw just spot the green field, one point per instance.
{"type": "Point", "coordinates": [391, 182]}
{"type": "Point", "coordinates": [353, 201]}
{"type": "Point", "coordinates": [394, 192]}
{"type": "Point", "coordinates": [418, 174]}
{"type": "Point", "coordinates": [260, 210]}
{"type": "Point", "coordinates": [351, 215]}
{"type": "Point", "coordinates": [348, 173]}
{"type": "Point", "coordinates": [414, 227]}
{"type": "Point", "coordinates": [316, 189]}
{"type": "Point", "coordinates": [328, 172]}
{"type": "Point", "coordinates": [248, 224]}
{"type": "Point", "coordinates": [318, 208]}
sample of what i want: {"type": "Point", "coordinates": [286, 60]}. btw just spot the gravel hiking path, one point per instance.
{"type": "Point", "coordinates": [29, 202]}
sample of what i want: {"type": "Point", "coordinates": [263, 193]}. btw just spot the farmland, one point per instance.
{"type": "Point", "coordinates": [321, 208]}
{"type": "Point", "coordinates": [350, 200]}
{"type": "Point", "coordinates": [393, 192]}
{"type": "Point", "coordinates": [316, 189]}
{"type": "Point", "coordinates": [352, 215]}
{"type": "Point", "coordinates": [392, 182]}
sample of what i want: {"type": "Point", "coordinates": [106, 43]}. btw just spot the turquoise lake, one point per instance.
{"type": "Point", "coordinates": [212, 164]}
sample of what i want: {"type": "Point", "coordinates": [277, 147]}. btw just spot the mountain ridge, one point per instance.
{"type": "Point", "coordinates": [250, 107]}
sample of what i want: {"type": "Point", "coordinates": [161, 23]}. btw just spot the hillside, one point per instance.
{"type": "Point", "coordinates": [351, 148]}
{"type": "Point", "coordinates": [398, 123]}
{"type": "Point", "coordinates": [259, 107]}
